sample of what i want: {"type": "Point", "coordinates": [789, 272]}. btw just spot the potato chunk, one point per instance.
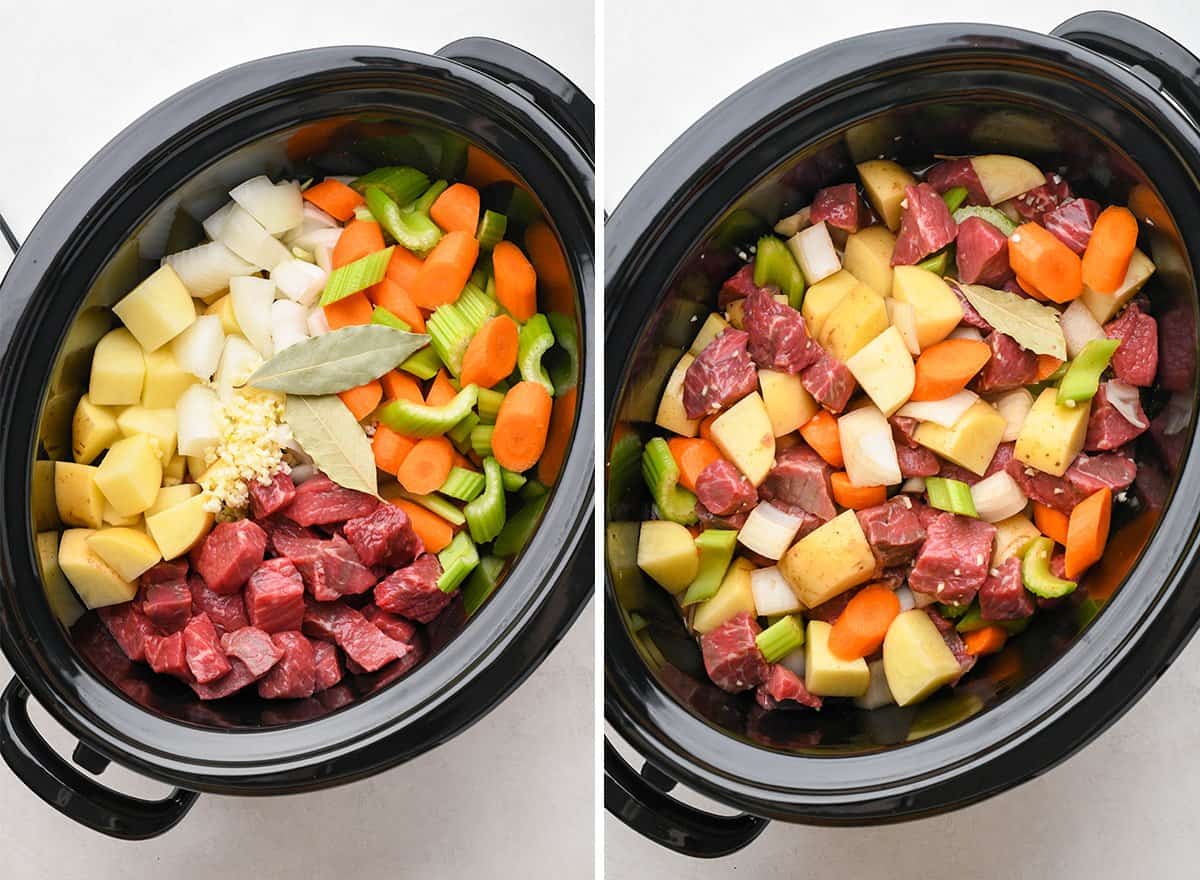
{"type": "Point", "coordinates": [744, 435]}
{"type": "Point", "coordinates": [821, 298]}
{"type": "Point", "coordinates": [970, 442]}
{"type": "Point", "coordinates": [169, 496]}
{"type": "Point", "coordinates": [1052, 435]}
{"type": "Point", "coordinates": [828, 561]}
{"type": "Point", "coordinates": [937, 310]}
{"type": "Point", "coordinates": [916, 659]}
{"type": "Point", "coordinates": [118, 370]}
{"type": "Point", "coordinates": [668, 554]}
{"type": "Point", "coordinates": [714, 325]}
{"type": "Point", "coordinates": [869, 258]}
{"type": "Point", "coordinates": [178, 529]}
{"type": "Point", "coordinates": [93, 579]}
{"type": "Point", "coordinates": [156, 423]}
{"type": "Point", "coordinates": [1012, 535]}
{"type": "Point", "coordinates": [79, 500]}
{"type": "Point", "coordinates": [884, 368]}
{"type": "Point", "coordinates": [157, 310]}
{"type": "Point", "coordinates": [1003, 177]}
{"type": "Point", "coordinates": [884, 181]}
{"type": "Point", "coordinates": [671, 414]}
{"type": "Point", "coordinates": [131, 474]}
{"type": "Point", "coordinates": [826, 674]}
{"type": "Point", "coordinates": [128, 552]}
{"type": "Point", "coordinates": [62, 599]}
{"type": "Point", "coordinates": [93, 429]}
{"type": "Point", "coordinates": [732, 598]}
{"type": "Point", "coordinates": [788, 404]}
{"type": "Point", "coordinates": [1104, 305]}
{"type": "Point", "coordinates": [855, 321]}
{"type": "Point", "coordinates": [165, 380]}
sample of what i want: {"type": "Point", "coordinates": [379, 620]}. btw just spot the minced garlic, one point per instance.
{"type": "Point", "coordinates": [252, 436]}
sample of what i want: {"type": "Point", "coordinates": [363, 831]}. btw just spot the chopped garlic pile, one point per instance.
{"type": "Point", "coordinates": [252, 436]}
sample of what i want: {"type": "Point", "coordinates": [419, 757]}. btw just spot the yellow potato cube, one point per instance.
{"type": "Point", "coordinates": [179, 528]}
{"type": "Point", "coordinates": [157, 310]}
{"type": "Point", "coordinates": [825, 673]}
{"type": "Point", "coordinates": [174, 470]}
{"type": "Point", "coordinates": [884, 368]}
{"type": "Point", "coordinates": [916, 659]}
{"type": "Point", "coordinates": [61, 598]}
{"type": "Point", "coordinates": [131, 474]}
{"type": "Point", "coordinates": [970, 442]}
{"type": "Point", "coordinates": [118, 370]}
{"type": "Point", "coordinates": [128, 552]}
{"type": "Point", "coordinates": [671, 413]}
{"type": "Point", "coordinates": [165, 380]}
{"type": "Point", "coordinates": [714, 325]}
{"type": "Point", "coordinates": [45, 505]}
{"type": "Point", "coordinates": [884, 181]}
{"type": "Point", "coordinates": [828, 561]}
{"type": "Point", "coordinates": [1104, 306]}
{"type": "Point", "coordinates": [1003, 177]}
{"type": "Point", "coordinates": [93, 579]}
{"type": "Point", "coordinates": [868, 258]}
{"type": "Point", "coordinates": [744, 435]}
{"type": "Point", "coordinates": [112, 518]}
{"type": "Point", "coordinates": [855, 321]}
{"type": "Point", "coordinates": [732, 598]}
{"type": "Point", "coordinates": [223, 309]}
{"type": "Point", "coordinates": [79, 500]}
{"type": "Point", "coordinates": [93, 429]}
{"type": "Point", "coordinates": [937, 310]}
{"type": "Point", "coordinates": [822, 297]}
{"type": "Point", "coordinates": [169, 496]}
{"type": "Point", "coordinates": [788, 404]}
{"type": "Point", "coordinates": [1052, 435]}
{"type": "Point", "coordinates": [668, 554]}
{"type": "Point", "coordinates": [156, 423]}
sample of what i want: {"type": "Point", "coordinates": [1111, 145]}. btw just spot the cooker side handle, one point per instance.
{"type": "Point", "coordinates": [70, 792]}
{"type": "Point", "coordinates": [545, 85]}
{"type": "Point", "coordinates": [669, 822]}
{"type": "Point", "coordinates": [1133, 42]}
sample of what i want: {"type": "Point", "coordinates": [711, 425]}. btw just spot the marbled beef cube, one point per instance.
{"type": "Point", "coordinates": [981, 253]}
{"type": "Point", "coordinates": [738, 286]}
{"type": "Point", "coordinates": [1136, 359]}
{"type": "Point", "coordinates": [1009, 367]}
{"type": "Point", "coordinates": [167, 655]}
{"type": "Point", "coordinates": [253, 647]}
{"type": "Point", "coordinates": [227, 612]}
{"type": "Point", "coordinates": [779, 338]}
{"type": "Point", "coordinates": [784, 689]}
{"type": "Point", "coordinates": [720, 376]}
{"type": "Point", "coordinates": [294, 677]}
{"type": "Point", "coordinates": [233, 681]}
{"type": "Point", "coordinates": [167, 604]}
{"type": "Point", "coordinates": [267, 499]}
{"type": "Point", "coordinates": [801, 478]}
{"type": "Point", "coordinates": [731, 654]}
{"type": "Point", "coordinates": [840, 206]}
{"type": "Point", "coordinates": [1041, 200]}
{"type": "Point", "coordinates": [205, 658]}
{"type": "Point", "coordinates": [950, 173]}
{"type": "Point", "coordinates": [385, 536]}
{"type": "Point", "coordinates": [925, 225]}
{"type": "Point", "coordinates": [1107, 427]}
{"type": "Point", "coordinates": [328, 665]}
{"type": "Point", "coordinates": [391, 625]}
{"type": "Point", "coordinates": [321, 501]}
{"type": "Point", "coordinates": [953, 562]}
{"type": "Point", "coordinates": [129, 626]}
{"type": "Point", "coordinates": [724, 490]}
{"type": "Point", "coordinates": [363, 641]}
{"type": "Point", "coordinates": [893, 531]}
{"type": "Point", "coordinates": [1071, 223]}
{"type": "Point", "coordinates": [829, 381]}
{"type": "Point", "coordinates": [1091, 473]}
{"type": "Point", "coordinates": [230, 554]}
{"type": "Point", "coordinates": [1003, 595]}
{"type": "Point", "coordinates": [412, 591]}
{"type": "Point", "coordinates": [275, 596]}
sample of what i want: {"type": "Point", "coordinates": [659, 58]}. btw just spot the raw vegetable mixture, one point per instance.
{"type": "Point", "coordinates": [312, 436]}
{"type": "Point", "coordinates": [902, 434]}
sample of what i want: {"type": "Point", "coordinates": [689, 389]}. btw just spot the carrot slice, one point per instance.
{"type": "Point", "coordinates": [692, 455]}
{"type": "Point", "coordinates": [484, 169]}
{"type": "Point", "coordinates": [1050, 522]}
{"type": "Point", "coordinates": [860, 628]}
{"type": "Point", "coordinates": [854, 497]}
{"type": "Point", "coordinates": [491, 354]}
{"type": "Point", "coordinates": [1087, 532]}
{"type": "Point", "coordinates": [1106, 259]}
{"type": "Point", "coordinates": [1030, 289]}
{"type": "Point", "coordinates": [426, 466]}
{"type": "Point", "coordinates": [349, 311]}
{"type": "Point", "coordinates": [390, 295]}
{"type": "Point", "coordinates": [821, 433]}
{"type": "Point", "coordinates": [1047, 366]}
{"type": "Point", "coordinates": [519, 436]}
{"type": "Point", "coordinates": [390, 449]}
{"type": "Point", "coordinates": [550, 264]}
{"type": "Point", "coordinates": [944, 369]}
{"type": "Point", "coordinates": [358, 239]}
{"type": "Point", "coordinates": [445, 272]}
{"type": "Point", "coordinates": [401, 386]}
{"type": "Point", "coordinates": [1039, 257]}
{"type": "Point", "coordinates": [362, 400]}
{"type": "Point", "coordinates": [435, 533]}
{"type": "Point", "coordinates": [334, 198]}
{"type": "Point", "coordinates": [403, 266]}
{"type": "Point", "coordinates": [457, 209]}
{"type": "Point", "coordinates": [441, 391]}
{"type": "Point", "coordinates": [988, 640]}
{"type": "Point", "coordinates": [558, 436]}
{"type": "Point", "coordinates": [516, 281]}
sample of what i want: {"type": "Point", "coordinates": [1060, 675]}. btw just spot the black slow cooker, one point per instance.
{"type": "Point", "coordinates": [325, 111]}
{"type": "Point", "coordinates": [1111, 103]}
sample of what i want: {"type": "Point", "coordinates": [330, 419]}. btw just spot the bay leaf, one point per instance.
{"type": "Point", "coordinates": [1035, 327]}
{"type": "Point", "coordinates": [338, 360]}
{"type": "Point", "coordinates": [329, 434]}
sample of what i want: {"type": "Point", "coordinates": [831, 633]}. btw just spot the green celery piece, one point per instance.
{"type": "Point", "coordinates": [716, 548]}
{"type": "Point", "coordinates": [458, 560]}
{"type": "Point", "coordinates": [424, 364]}
{"type": "Point", "coordinates": [775, 265]}
{"type": "Point", "coordinates": [520, 526]}
{"type": "Point", "coordinates": [434, 503]}
{"type": "Point", "coordinates": [661, 474]}
{"type": "Point", "coordinates": [380, 315]}
{"type": "Point", "coordinates": [624, 472]}
{"type": "Point", "coordinates": [533, 489]}
{"type": "Point", "coordinates": [989, 215]}
{"type": "Point", "coordinates": [488, 405]}
{"type": "Point", "coordinates": [402, 184]}
{"type": "Point", "coordinates": [781, 638]}
{"type": "Point", "coordinates": [460, 434]}
{"type": "Point", "coordinates": [974, 620]}
{"type": "Point", "coordinates": [413, 230]}
{"type": "Point", "coordinates": [535, 340]}
{"type": "Point", "coordinates": [482, 583]}
{"type": "Point", "coordinates": [1036, 573]}
{"type": "Point", "coordinates": [950, 495]}
{"type": "Point", "coordinates": [481, 440]}
{"type": "Point", "coordinates": [462, 484]}
{"type": "Point", "coordinates": [492, 227]}
{"type": "Point", "coordinates": [952, 612]}
{"type": "Point", "coordinates": [427, 198]}
{"type": "Point", "coordinates": [512, 480]}
{"type": "Point", "coordinates": [417, 420]}
{"type": "Point", "coordinates": [486, 514]}
{"type": "Point", "coordinates": [452, 162]}
{"type": "Point", "coordinates": [350, 279]}
{"type": "Point", "coordinates": [452, 326]}
{"type": "Point", "coordinates": [1082, 379]}
{"type": "Point", "coordinates": [938, 263]}
{"type": "Point", "coordinates": [362, 212]}
{"type": "Point", "coordinates": [954, 198]}
{"type": "Point", "coordinates": [562, 361]}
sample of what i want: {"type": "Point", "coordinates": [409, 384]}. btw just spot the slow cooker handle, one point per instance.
{"type": "Point", "coordinates": [1130, 41]}
{"type": "Point", "coordinates": [69, 791]}
{"type": "Point", "coordinates": [669, 822]}
{"type": "Point", "coordinates": [551, 90]}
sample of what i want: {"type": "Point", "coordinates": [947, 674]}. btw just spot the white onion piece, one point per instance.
{"type": "Point", "coordinates": [207, 268]}
{"type": "Point", "coordinates": [239, 360]}
{"type": "Point", "coordinates": [998, 497]}
{"type": "Point", "coordinates": [878, 693]}
{"type": "Point", "coordinates": [289, 322]}
{"type": "Point", "coordinates": [769, 531]}
{"type": "Point", "coordinates": [1178, 413]}
{"type": "Point", "coordinates": [302, 473]}
{"type": "Point", "coordinates": [299, 281]}
{"type": "Point", "coordinates": [814, 251]}
{"type": "Point", "coordinates": [793, 223]}
{"type": "Point", "coordinates": [1014, 406]}
{"type": "Point", "coordinates": [1125, 400]}
{"type": "Point", "coordinates": [312, 220]}
{"type": "Point", "coordinates": [1080, 327]}
{"type": "Point", "coordinates": [324, 256]}
{"type": "Point", "coordinates": [197, 423]}
{"type": "Point", "coordinates": [215, 222]}
{"type": "Point", "coordinates": [914, 484]}
{"type": "Point", "coordinates": [198, 348]}
{"type": "Point", "coordinates": [772, 595]}
{"type": "Point", "coordinates": [315, 238]}
{"type": "Point", "coordinates": [794, 661]}
{"type": "Point", "coordinates": [317, 324]}
{"type": "Point", "coordinates": [276, 206]}
{"type": "Point", "coordinates": [907, 599]}
{"type": "Point", "coordinates": [868, 448]}
{"type": "Point", "coordinates": [904, 318]}
{"type": "Point", "coordinates": [252, 298]}
{"type": "Point", "coordinates": [962, 331]}
{"type": "Point", "coordinates": [944, 412]}
{"type": "Point", "coordinates": [246, 237]}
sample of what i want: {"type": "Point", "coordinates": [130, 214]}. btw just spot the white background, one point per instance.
{"type": "Point", "coordinates": [1125, 807]}
{"type": "Point", "coordinates": [512, 797]}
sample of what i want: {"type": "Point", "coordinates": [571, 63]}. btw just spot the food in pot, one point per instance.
{"type": "Point", "coordinates": [314, 436]}
{"type": "Point", "coordinates": [903, 433]}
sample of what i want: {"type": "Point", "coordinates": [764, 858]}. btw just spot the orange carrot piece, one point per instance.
{"type": "Point", "coordinates": [1087, 532]}
{"type": "Point", "coordinates": [692, 455]}
{"type": "Point", "coordinates": [358, 239]}
{"type": "Point", "coordinates": [390, 449]}
{"type": "Point", "coordinates": [821, 433]}
{"type": "Point", "coordinates": [401, 386]}
{"type": "Point", "coordinates": [1039, 257]}
{"type": "Point", "coordinates": [491, 354]}
{"type": "Point", "coordinates": [1030, 289]}
{"type": "Point", "coordinates": [349, 311]}
{"type": "Point", "coordinates": [558, 436]}
{"type": "Point", "coordinates": [334, 198]}
{"type": "Point", "coordinates": [944, 369]}
{"type": "Point", "coordinates": [445, 272]}
{"type": "Point", "coordinates": [426, 466]}
{"type": "Point", "coordinates": [516, 281]}
{"type": "Point", "coordinates": [441, 391]}
{"type": "Point", "coordinates": [463, 462]}
{"type": "Point", "coordinates": [521, 426]}
{"type": "Point", "coordinates": [484, 169]}
{"type": "Point", "coordinates": [435, 533]}
{"type": "Point", "coordinates": [388, 294]}
{"type": "Point", "coordinates": [1106, 259]}
{"type": "Point", "coordinates": [988, 640]}
{"type": "Point", "coordinates": [1050, 522]}
{"type": "Point", "coordinates": [457, 209]}
{"type": "Point", "coordinates": [1047, 366]}
{"type": "Point", "coordinates": [550, 264]}
{"type": "Point", "coordinates": [403, 266]}
{"type": "Point", "coordinates": [854, 497]}
{"type": "Point", "coordinates": [860, 628]}
{"type": "Point", "coordinates": [362, 400]}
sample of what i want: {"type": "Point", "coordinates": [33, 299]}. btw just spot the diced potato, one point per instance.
{"type": "Point", "coordinates": [788, 404]}
{"type": "Point", "coordinates": [971, 442]}
{"type": "Point", "coordinates": [821, 298]}
{"type": "Point", "coordinates": [668, 554]}
{"type": "Point", "coordinates": [855, 321]}
{"type": "Point", "coordinates": [79, 500]}
{"type": "Point", "coordinates": [714, 325]}
{"type": "Point", "coordinates": [169, 496]}
{"type": "Point", "coordinates": [1012, 535]}
{"type": "Point", "coordinates": [671, 414]}
{"type": "Point", "coordinates": [179, 528]}
{"type": "Point", "coordinates": [62, 599]}
{"type": "Point", "coordinates": [828, 561]}
{"type": "Point", "coordinates": [1052, 435]}
{"type": "Point", "coordinates": [93, 429]}
{"type": "Point", "coordinates": [196, 466]}
{"type": "Point", "coordinates": [165, 380]}
{"type": "Point", "coordinates": [734, 596]}
{"type": "Point", "coordinates": [93, 579]}
{"type": "Point", "coordinates": [1003, 177]}
{"type": "Point", "coordinates": [157, 310]}
{"type": "Point", "coordinates": [174, 470]}
{"type": "Point", "coordinates": [128, 552]}
{"type": "Point", "coordinates": [825, 673]}
{"type": "Point", "coordinates": [197, 421]}
{"type": "Point", "coordinates": [937, 309]}
{"type": "Point", "coordinates": [118, 370]}
{"type": "Point", "coordinates": [131, 474]}
{"type": "Point", "coordinates": [744, 435]}
{"type": "Point", "coordinates": [868, 258]}
{"type": "Point", "coordinates": [915, 658]}
{"type": "Point", "coordinates": [41, 488]}
{"type": "Point", "coordinates": [884, 368]}
{"type": "Point", "coordinates": [156, 423]}
{"type": "Point", "coordinates": [1104, 306]}
{"type": "Point", "coordinates": [884, 181]}
{"type": "Point", "coordinates": [223, 309]}
{"type": "Point", "coordinates": [112, 518]}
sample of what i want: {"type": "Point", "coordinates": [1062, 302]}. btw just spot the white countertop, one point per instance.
{"type": "Point", "coordinates": [511, 797]}
{"type": "Point", "coordinates": [1125, 806]}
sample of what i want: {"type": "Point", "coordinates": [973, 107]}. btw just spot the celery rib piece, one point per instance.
{"type": "Point", "coordinates": [488, 405]}
{"type": "Point", "coordinates": [520, 526]}
{"type": "Point", "coordinates": [416, 420]}
{"type": "Point", "coordinates": [492, 228]}
{"type": "Point", "coordinates": [452, 325]}
{"type": "Point", "coordinates": [775, 265]}
{"type": "Point", "coordinates": [482, 583]}
{"type": "Point", "coordinates": [413, 230]}
{"type": "Point", "coordinates": [350, 279]}
{"type": "Point", "coordinates": [485, 514]}
{"type": "Point", "coordinates": [425, 201]}
{"type": "Point", "coordinates": [458, 559]}
{"type": "Point", "coordinates": [451, 513]}
{"type": "Point", "coordinates": [460, 434]}
{"type": "Point", "coordinates": [423, 364]}
{"type": "Point", "coordinates": [512, 480]}
{"type": "Point", "coordinates": [534, 341]}
{"type": "Point", "coordinates": [481, 440]}
{"type": "Point", "coordinates": [662, 477]}
{"type": "Point", "coordinates": [716, 548]}
{"type": "Point", "coordinates": [463, 485]}
{"type": "Point", "coordinates": [780, 638]}
{"type": "Point", "coordinates": [950, 495]}
{"type": "Point", "coordinates": [403, 184]}
{"type": "Point", "coordinates": [380, 315]}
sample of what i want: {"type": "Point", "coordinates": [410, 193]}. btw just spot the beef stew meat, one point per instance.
{"type": "Point", "coordinates": [904, 433]}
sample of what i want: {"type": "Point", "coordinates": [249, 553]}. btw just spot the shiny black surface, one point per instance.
{"type": "Point", "coordinates": [103, 232]}
{"type": "Point", "coordinates": [761, 154]}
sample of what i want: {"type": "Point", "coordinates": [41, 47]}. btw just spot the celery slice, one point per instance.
{"type": "Point", "coordinates": [662, 477]}
{"type": "Point", "coordinates": [492, 227]}
{"type": "Point", "coordinates": [451, 513]}
{"type": "Point", "coordinates": [362, 273]}
{"type": "Point", "coordinates": [781, 638]}
{"type": "Point", "coordinates": [1081, 381]}
{"type": "Point", "coordinates": [1036, 573]}
{"type": "Point", "coordinates": [362, 212]}
{"type": "Point", "coordinates": [460, 434]}
{"type": "Point", "coordinates": [520, 526]}
{"type": "Point", "coordinates": [954, 198]}
{"type": "Point", "coordinates": [481, 440]}
{"type": "Point", "coordinates": [624, 469]}
{"type": "Point", "coordinates": [452, 325]}
{"type": "Point", "coordinates": [775, 265]}
{"type": "Point", "coordinates": [412, 229]}
{"type": "Point", "coordinates": [716, 548]}
{"type": "Point", "coordinates": [380, 315]}
{"type": "Point", "coordinates": [937, 263]}
{"type": "Point", "coordinates": [402, 184]}
{"type": "Point", "coordinates": [535, 340]}
{"type": "Point", "coordinates": [427, 198]}
{"type": "Point", "coordinates": [485, 514]}
{"type": "Point", "coordinates": [416, 420]}
{"type": "Point", "coordinates": [458, 559]}
{"type": "Point", "coordinates": [482, 583]}
{"type": "Point", "coordinates": [488, 405]}
{"type": "Point", "coordinates": [950, 495]}
{"type": "Point", "coordinates": [463, 484]}
{"type": "Point", "coordinates": [533, 489]}
{"type": "Point", "coordinates": [424, 364]}
{"type": "Point", "coordinates": [512, 480]}
{"type": "Point", "coordinates": [562, 361]}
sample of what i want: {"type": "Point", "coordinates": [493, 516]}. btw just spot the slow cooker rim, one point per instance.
{"type": "Point", "coordinates": [243, 85]}
{"type": "Point", "coordinates": [655, 201]}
